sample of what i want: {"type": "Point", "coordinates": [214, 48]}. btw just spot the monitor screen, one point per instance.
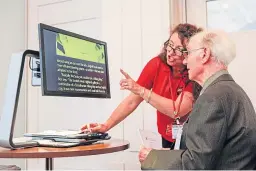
{"type": "Point", "coordinates": [72, 64]}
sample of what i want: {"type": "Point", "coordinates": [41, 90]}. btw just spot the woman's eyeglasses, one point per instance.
{"type": "Point", "coordinates": [178, 51]}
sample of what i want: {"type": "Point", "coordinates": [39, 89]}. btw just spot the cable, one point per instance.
{"type": "Point", "coordinates": [34, 69]}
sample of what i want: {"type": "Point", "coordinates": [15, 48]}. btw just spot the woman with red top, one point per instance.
{"type": "Point", "coordinates": [164, 84]}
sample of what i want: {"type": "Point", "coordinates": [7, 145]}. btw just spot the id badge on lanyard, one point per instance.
{"type": "Point", "coordinates": [176, 127]}
{"type": "Point", "coordinates": [178, 138]}
{"type": "Point", "coordinates": [175, 130]}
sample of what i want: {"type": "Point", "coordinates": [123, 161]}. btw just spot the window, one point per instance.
{"type": "Point", "coordinates": [231, 15]}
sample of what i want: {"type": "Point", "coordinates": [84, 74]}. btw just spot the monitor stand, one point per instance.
{"type": "Point", "coordinates": [11, 99]}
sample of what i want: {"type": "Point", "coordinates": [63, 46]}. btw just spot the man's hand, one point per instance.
{"type": "Point", "coordinates": [129, 84]}
{"type": "Point", "coordinates": [143, 153]}
{"type": "Point", "coordinates": [94, 127]}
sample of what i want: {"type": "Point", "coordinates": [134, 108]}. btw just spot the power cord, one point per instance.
{"type": "Point", "coordinates": [33, 69]}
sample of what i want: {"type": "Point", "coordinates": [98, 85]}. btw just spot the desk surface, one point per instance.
{"type": "Point", "coordinates": [108, 146]}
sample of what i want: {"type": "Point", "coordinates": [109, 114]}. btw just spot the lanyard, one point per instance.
{"type": "Point", "coordinates": [176, 111]}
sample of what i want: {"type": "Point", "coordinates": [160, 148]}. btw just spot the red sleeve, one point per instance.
{"type": "Point", "coordinates": [148, 73]}
{"type": "Point", "coordinates": [189, 87]}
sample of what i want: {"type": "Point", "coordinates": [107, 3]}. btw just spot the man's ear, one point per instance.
{"type": "Point", "coordinates": [205, 56]}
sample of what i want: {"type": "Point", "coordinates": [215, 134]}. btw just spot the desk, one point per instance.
{"type": "Point", "coordinates": [110, 146]}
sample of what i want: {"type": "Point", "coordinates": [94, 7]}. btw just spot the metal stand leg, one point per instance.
{"type": "Point", "coordinates": [49, 164]}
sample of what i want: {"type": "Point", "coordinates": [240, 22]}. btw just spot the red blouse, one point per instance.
{"type": "Point", "coordinates": [157, 75]}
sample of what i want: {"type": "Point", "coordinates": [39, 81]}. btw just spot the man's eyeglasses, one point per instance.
{"type": "Point", "coordinates": [186, 53]}
{"type": "Point", "coordinates": [177, 51]}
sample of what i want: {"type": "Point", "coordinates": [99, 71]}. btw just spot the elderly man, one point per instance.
{"type": "Point", "coordinates": [221, 130]}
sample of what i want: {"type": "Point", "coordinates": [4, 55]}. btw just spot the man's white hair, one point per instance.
{"type": "Point", "coordinates": [223, 49]}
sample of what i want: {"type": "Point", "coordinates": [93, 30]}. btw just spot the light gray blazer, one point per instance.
{"type": "Point", "coordinates": [219, 134]}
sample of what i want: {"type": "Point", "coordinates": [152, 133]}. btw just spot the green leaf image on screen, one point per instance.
{"type": "Point", "coordinates": [79, 49]}
{"type": "Point", "coordinates": [59, 44]}
{"type": "Point", "coordinates": [99, 47]}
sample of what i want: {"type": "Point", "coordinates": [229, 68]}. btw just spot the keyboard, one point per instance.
{"type": "Point", "coordinates": [90, 136]}
{"type": "Point", "coordinates": [52, 133]}
{"type": "Point", "coordinates": [69, 135]}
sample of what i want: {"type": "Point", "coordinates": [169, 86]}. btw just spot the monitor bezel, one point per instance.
{"type": "Point", "coordinates": [45, 92]}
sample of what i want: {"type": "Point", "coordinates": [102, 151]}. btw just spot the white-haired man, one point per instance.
{"type": "Point", "coordinates": [221, 130]}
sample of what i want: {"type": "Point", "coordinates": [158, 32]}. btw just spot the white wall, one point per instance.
{"type": "Point", "coordinates": [12, 32]}
{"type": "Point", "coordinates": [196, 12]}
{"type": "Point", "coordinates": [134, 31]}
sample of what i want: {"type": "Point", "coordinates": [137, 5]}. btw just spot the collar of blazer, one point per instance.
{"type": "Point", "coordinates": [218, 76]}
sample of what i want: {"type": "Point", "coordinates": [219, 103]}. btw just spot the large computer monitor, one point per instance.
{"type": "Point", "coordinates": [72, 64]}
